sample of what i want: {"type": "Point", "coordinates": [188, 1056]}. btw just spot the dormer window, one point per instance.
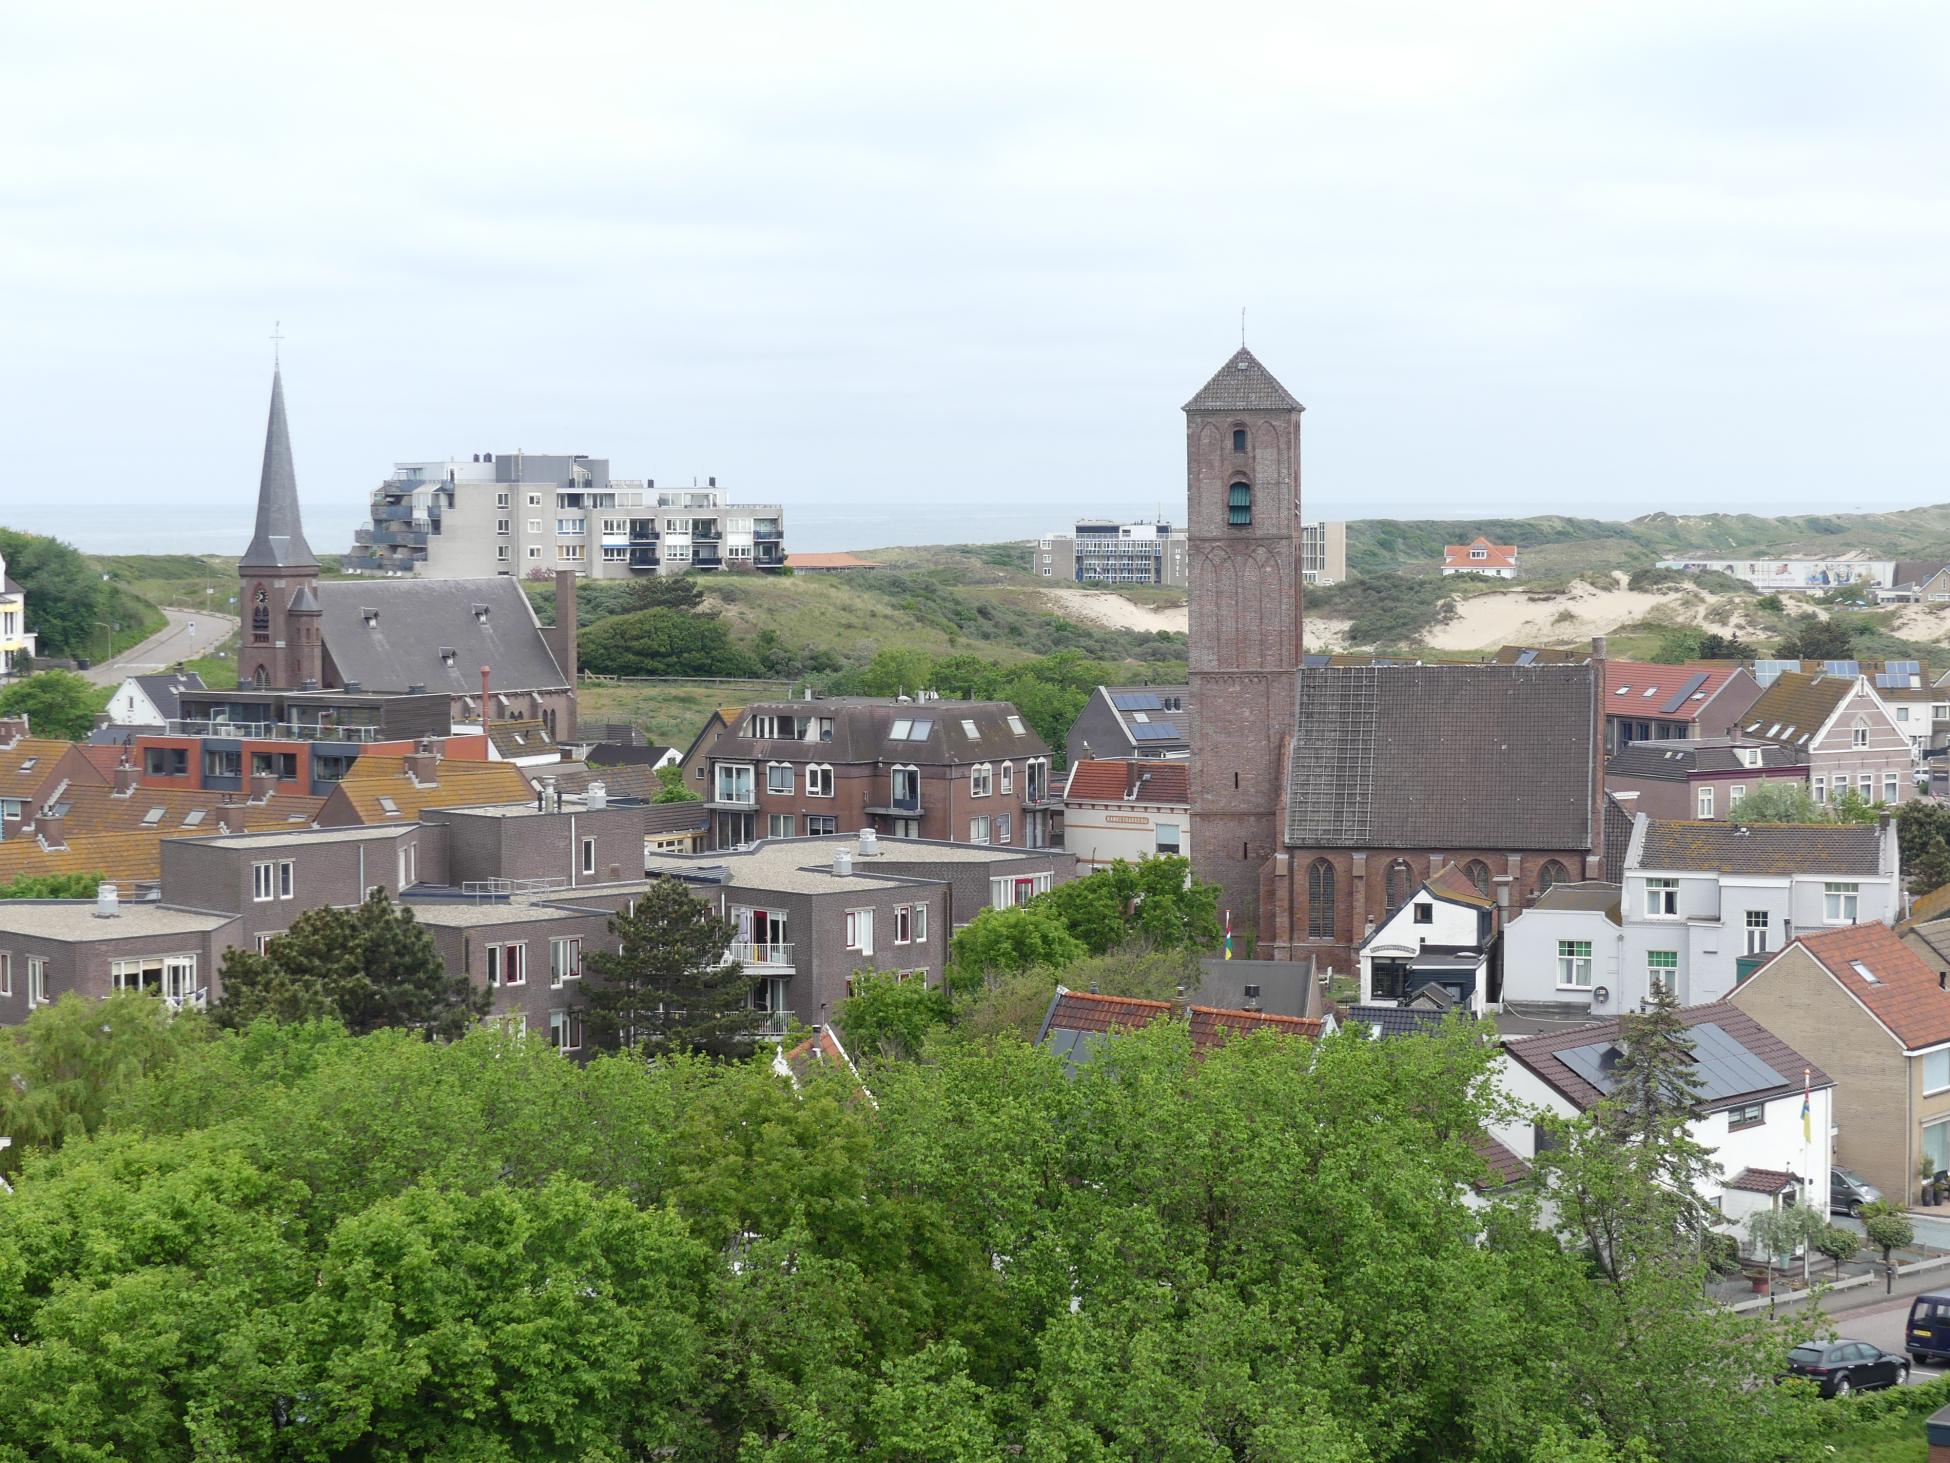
{"type": "Point", "coordinates": [1239, 505]}
{"type": "Point", "coordinates": [1480, 554]}
{"type": "Point", "coordinates": [1238, 439]}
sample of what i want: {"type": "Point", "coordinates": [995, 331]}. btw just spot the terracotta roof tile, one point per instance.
{"type": "Point", "coordinates": [1641, 689]}
{"type": "Point", "coordinates": [25, 762]}
{"type": "Point", "coordinates": [1505, 1167]}
{"type": "Point", "coordinates": [1904, 996]}
{"type": "Point", "coordinates": [1451, 883]}
{"type": "Point", "coordinates": [1155, 780]}
{"type": "Point", "coordinates": [1213, 1027]}
{"type": "Point", "coordinates": [455, 785]}
{"type": "Point", "coordinates": [1499, 556]}
{"type": "Point", "coordinates": [1928, 907]}
{"type": "Point", "coordinates": [1082, 1011]}
{"type": "Point", "coordinates": [1764, 1180]}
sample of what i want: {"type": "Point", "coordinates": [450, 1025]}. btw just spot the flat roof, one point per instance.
{"type": "Point", "coordinates": [790, 866]}
{"type": "Point", "coordinates": [75, 920]}
{"type": "Point", "coordinates": [278, 838]}
{"type": "Point", "coordinates": [466, 913]}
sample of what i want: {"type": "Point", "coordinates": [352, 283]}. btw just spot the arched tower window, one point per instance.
{"type": "Point", "coordinates": [261, 678]}
{"type": "Point", "coordinates": [1552, 873]}
{"type": "Point", "coordinates": [1320, 900]}
{"type": "Point", "coordinates": [1400, 879]}
{"type": "Point", "coordinates": [1478, 873]}
{"type": "Point", "coordinates": [1239, 505]}
{"type": "Point", "coordinates": [261, 614]}
{"type": "Point", "coordinates": [1238, 439]}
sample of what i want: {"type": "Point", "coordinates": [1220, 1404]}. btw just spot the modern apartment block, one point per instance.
{"type": "Point", "coordinates": [1104, 551]}
{"type": "Point", "coordinates": [530, 514]}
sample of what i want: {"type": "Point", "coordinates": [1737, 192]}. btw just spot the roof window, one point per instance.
{"type": "Point", "coordinates": [1622, 690]}
{"type": "Point", "coordinates": [1651, 690]}
{"type": "Point", "coordinates": [1862, 970]}
{"type": "Point", "coordinates": [193, 817]}
{"type": "Point", "coordinates": [901, 729]}
{"type": "Point", "coordinates": [1015, 725]}
{"type": "Point", "coordinates": [389, 807]}
{"type": "Point", "coordinates": [28, 765]}
{"type": "Point", "coordinates": [154, 816]}
{"type": "Point", "coordinates": [970, 729]}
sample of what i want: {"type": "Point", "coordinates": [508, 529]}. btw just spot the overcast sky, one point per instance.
{"type": "Point", "coordinates": [924, 276]}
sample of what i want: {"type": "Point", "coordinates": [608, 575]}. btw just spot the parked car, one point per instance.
{"type": "Point", "coordinates": [1845, 1366]}
{"type": "Point", "coordinates": [1848, 1191]}
{"type": "Point", "coordinates": [1928, 1338]}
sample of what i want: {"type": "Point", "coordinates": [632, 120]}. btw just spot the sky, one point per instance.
{"type": "Point", "coordinates": [930, 274]}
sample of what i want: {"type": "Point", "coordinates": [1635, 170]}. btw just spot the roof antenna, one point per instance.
{"type": "Point", "coordinates": [277, 341]}
{"type": "Point", "coordinates": [1242, 327]}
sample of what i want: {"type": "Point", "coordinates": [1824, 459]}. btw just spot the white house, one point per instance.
{"type": "Point", "coordinates": [151, 700]}
{"type": "Point", "coordinates": [16, 644]}
{"type": "Point", "coordinates": [1442, 937]}
{"type": "Point", "coordinates": [1752, 1085]}
{"type": "Point", "coordinates": [1700, 901]}
{"type": "Point", "coordinates": [1127, 809]}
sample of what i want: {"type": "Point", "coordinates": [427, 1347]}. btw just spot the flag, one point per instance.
{"type": "Point", "coordinates": [1807, 1117]}
{"type": "Point", "coordinates": [1228, 934]}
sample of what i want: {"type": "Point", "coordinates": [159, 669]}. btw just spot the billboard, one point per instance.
{"type": "Point", "coordinates": [1799, 574]}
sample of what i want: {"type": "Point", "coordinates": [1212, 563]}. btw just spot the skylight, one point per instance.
{"type": "Point", "coordinates": [389, 807]}
{"type": "Point", "coordinates": [1651, 690]}
{"type": "Point", "coordinates": [1862, 970]}
{"type": "Point", "coordinates": [28, 764]}
{"type": "Point", "coordinates": [1622, 690]}
{"type": "Point", "coordinates": [1015, 725]}
{"type": "Point", "coordinates": [970, 729]}
{"type": "Point", "coordinates": [193, 817]}
{"type": "Point", "coordinates": [901, 729]}
{"type": "Point", "coordinates": [151, 818]}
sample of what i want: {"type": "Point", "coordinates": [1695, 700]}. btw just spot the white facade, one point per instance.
{"type": "Point", "coordinates": [1100, 833]}
{"type": "Point", "coordinates": [1688, 927]}
{"type": "Point", "coordinates": [1426, 919]}
{"type": "Point", "coordinates": [16, 644]}
{"type": "Point", "coordinates": [1734, 1140]}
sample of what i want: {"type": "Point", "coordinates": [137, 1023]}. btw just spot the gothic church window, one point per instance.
{"type": "Point", "coordinates": [1238, 439]}
{"type": "Point", "coordinates": [1552, 873]}
{"type": "Point", "coordinates": [1320, 900]}
{"type": "Point", "coordinates": [1400, 876]}
{"type": "Point", "coordinates": [1478, 873]}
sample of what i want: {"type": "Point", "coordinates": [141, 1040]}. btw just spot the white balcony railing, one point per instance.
{"type": "Point", "coordinates": [771, 955]}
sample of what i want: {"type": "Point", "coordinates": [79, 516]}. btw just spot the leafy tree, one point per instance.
{"type": "Point", "coordinates": [58, 704]}
{"type": "Point", "coordinates": [1923, 833]}
{"type": "Point", "coordinates": [889, 1017]}
{"type": "Point", "coordinates": [369, 967]}
{"type": "Point", "coordinates": [68, 1061]}
{"type": "Point", "coordinates": [1155, 899]}
{"type": "Point", "coordinates": [1838, 1243]}
{"type": "Point", "coordinates": [898, 670]}
{"type": "Point", "coordinates": [1778, 1233]}
{"type": "Point", "coordinates": [1813, 638]}
{"type": "Point", "coordinates": [663, 642]}
{"type": "Point", "coordinates": [669, 987]}
{"type": "Point", "coordinates": [1715, 646]}
{"type": "Point", "coordinates": [1887, 1228]}
{"type": "Point", "coordinates": [51, 886]}
{"type": "Point", "coordinates": [1777, 800]}
{"type": "Point", "coordinates": [1003, 941]}
{"type": "Point", "coordinates": [1655, 1100]}
{"type": "Point", "coordinates": [1016, 1002]}
{"type": "Point", "coordinates": [65, 596]}
{"type": "Point", "coordinates": [670, 786]}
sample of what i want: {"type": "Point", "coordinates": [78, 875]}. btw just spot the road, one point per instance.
{"type": "Point", "coordinates": [1883, 1324]}
{"type": "Point", "coordinates": [167, 646]}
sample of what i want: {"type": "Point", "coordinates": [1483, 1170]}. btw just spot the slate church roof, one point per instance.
{"type": "Point", "coordinates": [1444, 756]}
{"type": "Point", "coordinates": [483, 622]}
{"type": "Point", "coordinates": [279, 542]}
{"type": "Point", "coordinates": [1243, 384]}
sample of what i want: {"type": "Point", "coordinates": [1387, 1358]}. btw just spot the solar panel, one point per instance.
{"type": "Point", "coordinates": [1136, 701]}
{"type": "Point", "coordinates": [1903, 667]}
{"type": "Point", "coordinates": [1768, 671]}
{"type": "Point", "coordinates": [1841, 668]}
{"type": "Point", "coordinates": [1314, 662]}
{"type": "Point", "coordinates": [1156, 731]}
{"type": "Point", "coordinates": [1723, 1066]}
{"type": "Point", "coordinates": [1526, 657]}
{"type": "Point", "coordinates": [1679, 697]}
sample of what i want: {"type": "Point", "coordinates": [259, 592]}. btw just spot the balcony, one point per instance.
{"type": "Point", "coordinates": [768, 535]}
{"type": "Point", "coordinates": [413, 536]}
{"type": "Point", "coordinates": [766, 957]}
{"type": "Point", "coordinates": [643, 558]}
{"type": "Point", "coordinates": [391, 512]}
{"type": "Point", "coordinates": [643, 530]}
{"type": "Point", "coordinates": [899, 807]}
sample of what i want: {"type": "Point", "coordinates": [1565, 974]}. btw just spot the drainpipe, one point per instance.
{"type": "Point", "coordinates": [574, 852]}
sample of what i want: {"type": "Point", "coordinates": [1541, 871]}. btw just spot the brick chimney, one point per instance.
{"type": "Point", "coordinates": [126, 778]}
{"type": "Point", "coordinates": [423, 763]}
{"type": "Point", "coordinates": [230, 817]}
{"type": "Point", "coordinates": [47, 827]}
{"type": "Point", "coordinates": [263, 786]}
{"type": "Point", "coordinates": [12, 729]}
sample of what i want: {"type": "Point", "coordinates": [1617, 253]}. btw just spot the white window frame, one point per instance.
{"type": "Point", "coordinates": [589, 857]}
{"type": "Point", "coordinates": [1940, 1057]}
{"type": "Point", "coordinates": [36, 981]}
{"type": "Point", "coordinates": [749, 779]}
{"type": "Point", "coordinates": [1758, 935]}
{"type": "Point", "coordinates": [780, 825]}
{"type": "Point", "coordinates": [498, 964]}
{"type": "Point", "coordinates": [1662, 898]}
{"type": "Point", "coordinates": [1841, 903]}
{"type": "Point", "coordinates": [1858, 736]}
{"type": "Point", "coordinates": [981, 780]}
{"type": "Point", "coordinates": [978, 830]}
{"type": "Point", "coordinates": [1573, 959]}
{"type": "Point", "coordinates": [920, 924]}
{"type": "Point", "coordinates": [565, 1033]}
{"type": "Point", "coordinates": [819, 780]}
{"type": "Point", "coordinates": [903, 924]}
{"type": "Point", "coordinates": [859, 931]}
{"type": "Point", "coordinates": [1734, 795]}
{"type": "Point", "coordinates": [1892, 787]}
{"type": "Point", "coordinates": [564, 960]}
{"type": "Point", "coordinates": [1008, 777]}
{"type": "Point", "coordinates": [1705, 800]}
{"type": "Point", "coordinates": [1656, 974]}
{"type": "Point", "coordinates": [6, 973]}
{"type": "Point", "coordinates": [781, 786]}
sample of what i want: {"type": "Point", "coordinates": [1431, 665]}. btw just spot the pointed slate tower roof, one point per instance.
{"type": "Point", "coordinates": [1243, 384]}
{"type": "Point", "coordinates": [279, 542]}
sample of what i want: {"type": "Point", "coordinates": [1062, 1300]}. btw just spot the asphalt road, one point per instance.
{"type": "Point", "coordinates": [162, 650]}
{"type": "Point", "coordinates": [1883, 1324]}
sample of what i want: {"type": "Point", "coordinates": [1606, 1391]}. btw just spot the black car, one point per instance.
{"type": "Point", "coordinates": [1841, 1367]}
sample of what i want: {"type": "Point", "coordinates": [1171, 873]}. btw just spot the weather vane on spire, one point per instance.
{"type": "Point", "coordinates": [277, 342]}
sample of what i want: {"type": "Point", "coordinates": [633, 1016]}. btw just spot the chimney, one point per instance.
{"type": "Point", "coordinates": [869, 843]}
{"type": "Point", "coordinates": [12, 729]}
{"type": "Point", "coordinates": [423, 763]}
{"type": "Point", "coordinates": [107, 906]}
{"type": "Point", "coordinates": [230, 817]}
{"type": "Point", "coordinates": [484, 698]}
{"type": "Point", "coordinates": [1598, 647]}
{"type": "Point", "coordinates": [1252, 998]}
{"type": "Point", "coordinates": [596, 796]}
{"type": "Point", "coordinates": [47, 825]}
{"type": "Point", "coordinates": [126, 778]}
{"type": "Point", "coordinates": [1943, 980]}
{"type": "Point", "coordinates": [263, 787]}
{"type": "Point", "coordinates": [551, 798]}
{"type": "Point", "coordinates": [842, 864]}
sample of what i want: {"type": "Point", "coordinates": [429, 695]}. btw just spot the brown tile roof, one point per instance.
{"type": "Point", "coordinates": [519, 738]}
{"type": "Point", "coordinates": [1641, 689]}
{"type": "Point", "coordinates": [821, 1052]}
{"type": "Point", "coordinates": [1928, 906]}
{"type": "Point", "coordinates": [455, 785]}
{"type": "Point", "coordinates": [26, 762]}
{"type": "Point", "coordinates": [126, 852]}
{"type": "Point", "coordinates": [1082, 1011]}
{"type": "Point", "coordinates": [1539, 1054]}
{"type": "Point", "coordinates": [627, 780]}
{"type": "Point", "coordinates": [1764, 1180]}
{"type": "Point", "coordinates": [1141, 780]}
{"type": "Point", "coordinates": [675, 817]}
{"type": "Point", "coordinates": [97, 808]}
{"type": "Point", "coordinates": [1444, 756]}
{"type": "Point", "coordinates": [1451, 883]}
{"type": "Point", "coordinates": [1213, 1027]}
{"type": "Point", "coordinates": [1243, 384]}
{"type": "Point", "coordinates": [1795, 706]}
{"type": "Point", "coordinates": [1854, 849]}
{"type": "Point", "coordinates": [1904, 996]}
{"type": "Point", "coordinates": [1505, 1167]}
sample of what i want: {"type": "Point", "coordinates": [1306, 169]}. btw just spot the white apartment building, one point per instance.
{"type": "Point", "coordinates": [530, 514]}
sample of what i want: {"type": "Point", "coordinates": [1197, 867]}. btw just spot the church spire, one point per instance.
{"type": "Point", "coordinates": [279, 542]}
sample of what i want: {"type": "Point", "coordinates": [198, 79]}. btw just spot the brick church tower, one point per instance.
{"type": "Point", "coordinates": [280, 648]}
{"type": "Point", "coordinates": [1242, 454]}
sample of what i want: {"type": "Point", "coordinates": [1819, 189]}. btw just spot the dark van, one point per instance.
{"type": "Point", "coordinates": [1928, 1338]}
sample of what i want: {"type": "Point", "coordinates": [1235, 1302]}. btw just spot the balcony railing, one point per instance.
{"type": "Point", "coordinates": [767, 955]}
{"type": "Point", "coordinates": [772, 1024]}
{"type": "Point", "coordinates": [391, 512]}
{"type": "Point", "coordinates": [196, 1000]}
{"type": "Point", "coordinates": [292, 731]}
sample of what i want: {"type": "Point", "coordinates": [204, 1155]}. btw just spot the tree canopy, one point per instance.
{"type": "Point", "coordinates": [58, 704]}
{"type": "Point", "coordinates": [369, 967]}
{"type": "Point", "coordinates": [669, 985]}
{"type": "Point", "coordinates": [65, 597]}
{"type": "Point", "coordinates": [663, 642]}
{"type": "Point", "coordinates": [290, 1242]}
{"type": "Point", "coordinates": [51, 886]}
